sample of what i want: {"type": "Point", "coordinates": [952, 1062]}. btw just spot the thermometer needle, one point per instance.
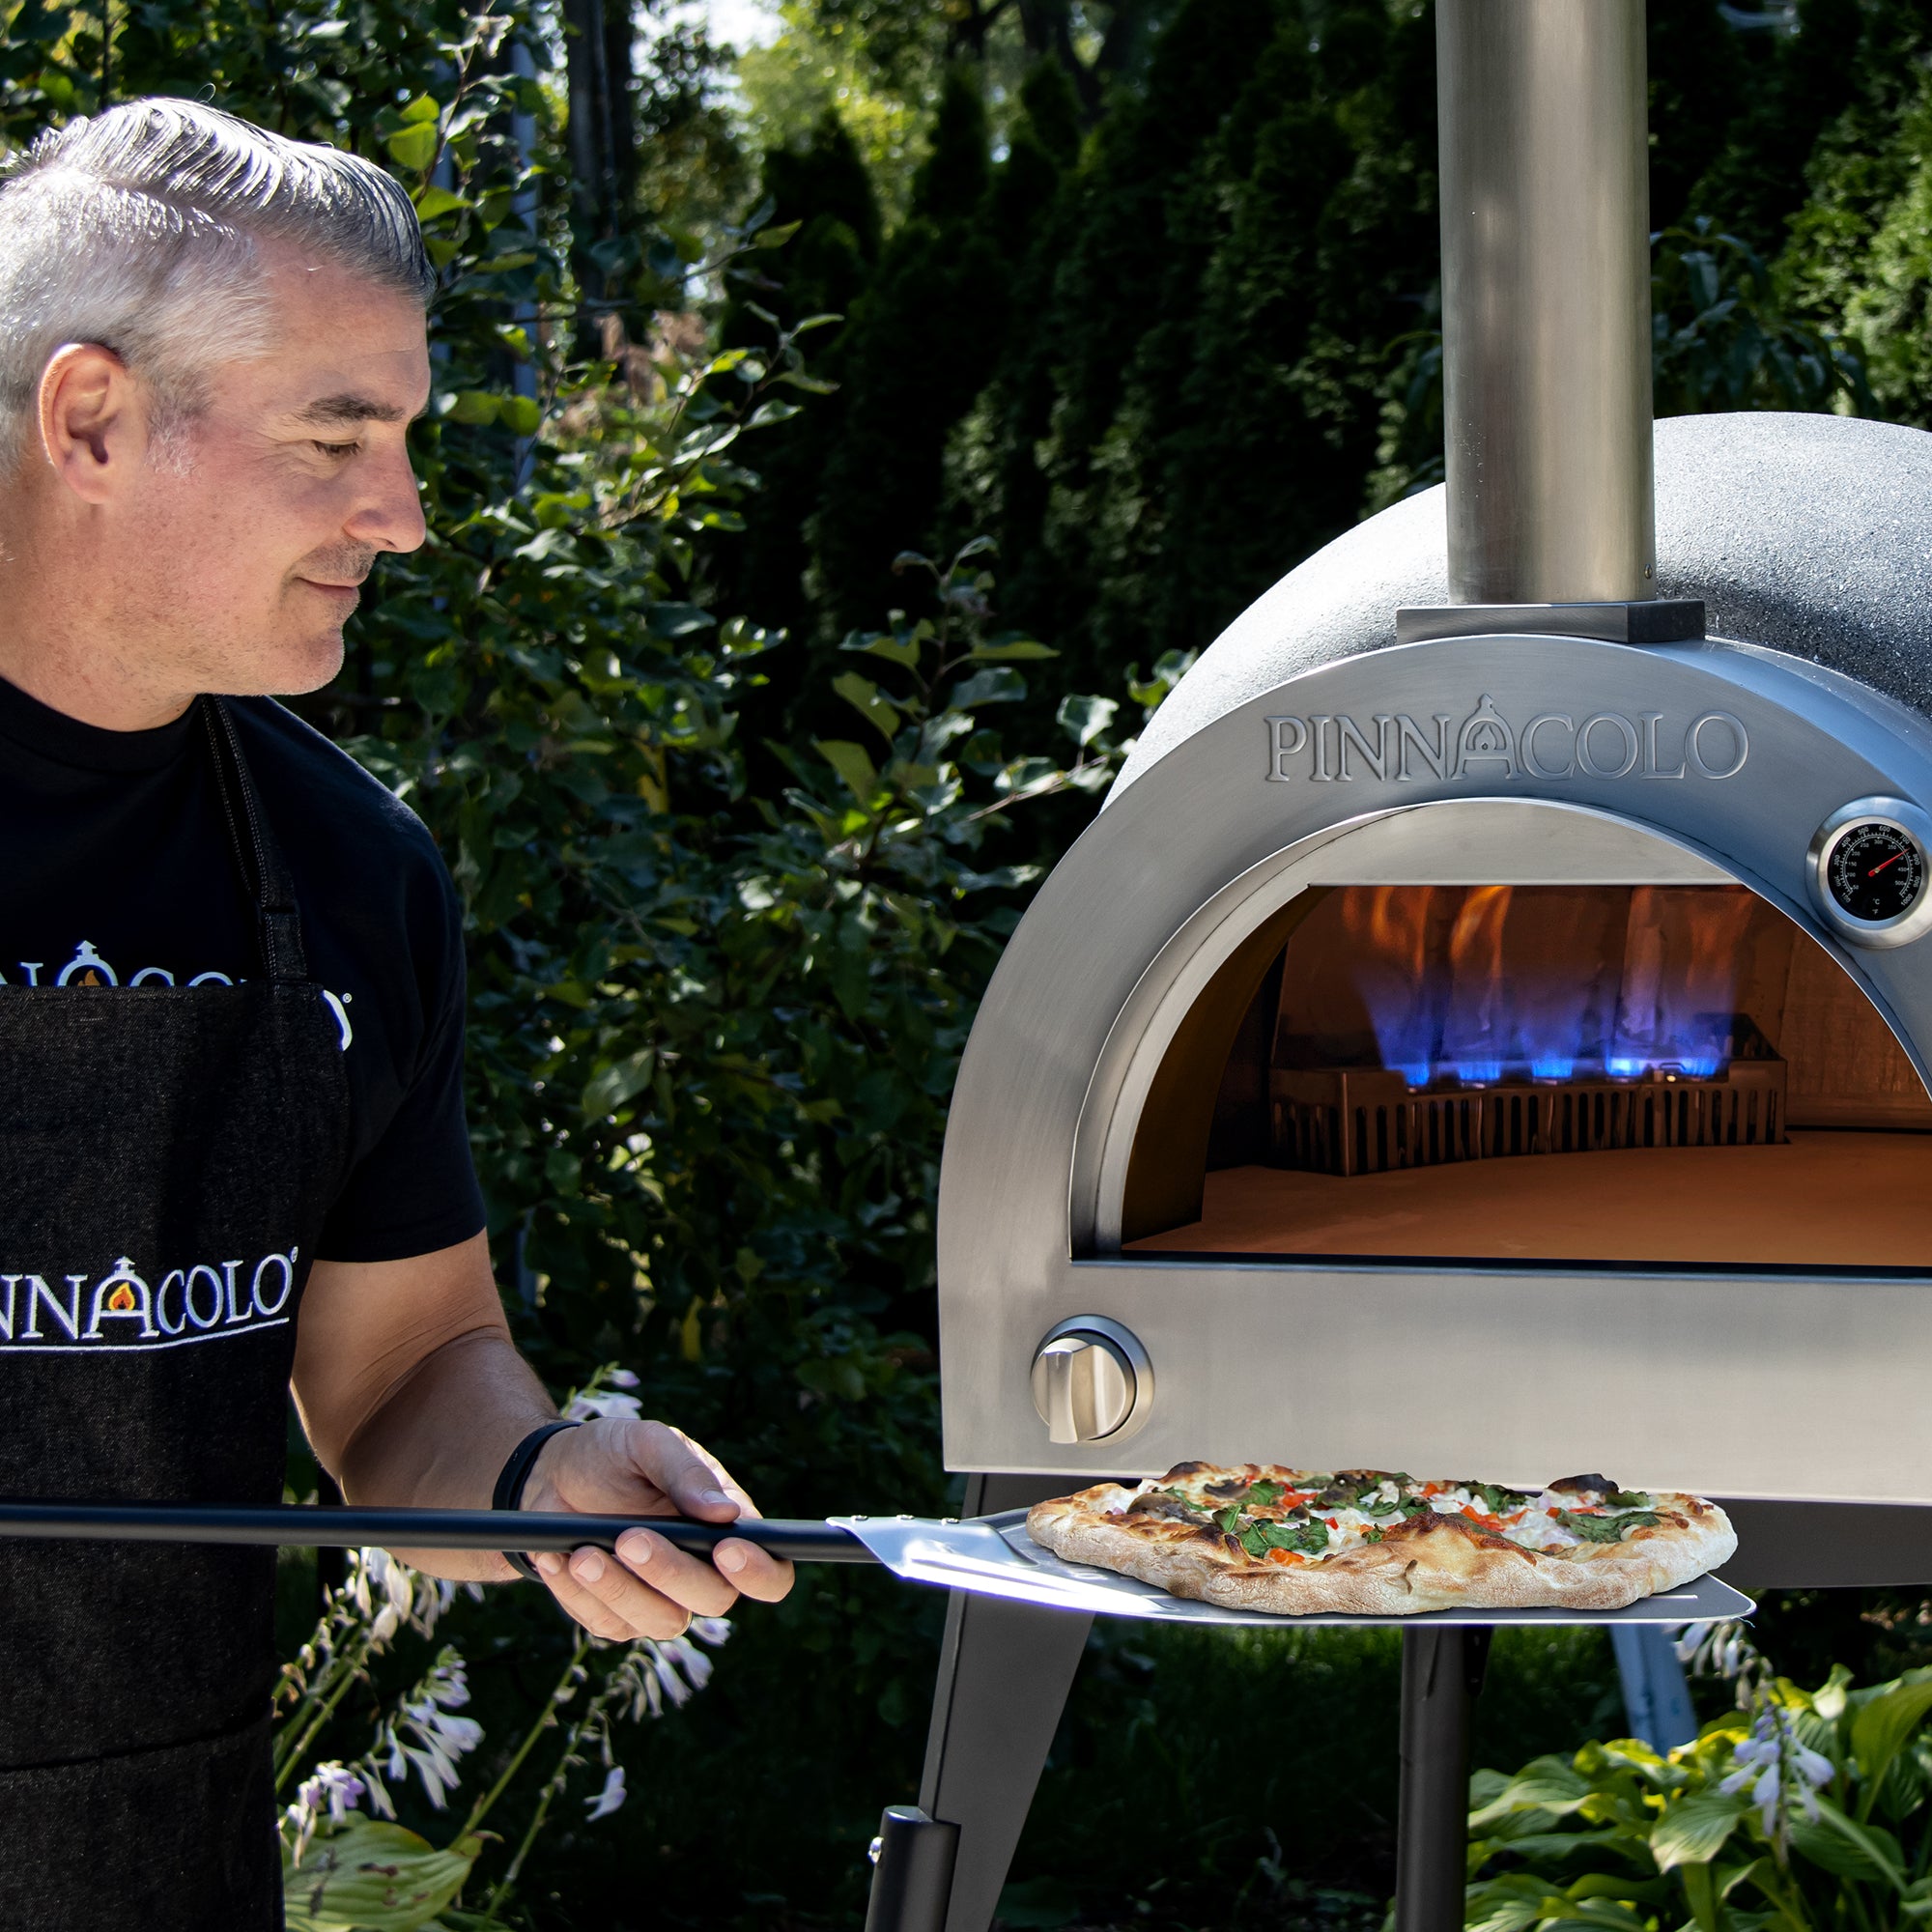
{"type": "Point", "coordinates": [1877, 869]}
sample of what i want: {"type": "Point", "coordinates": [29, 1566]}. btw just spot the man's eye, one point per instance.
{"type": "Point", "coordinates": [338, 449]}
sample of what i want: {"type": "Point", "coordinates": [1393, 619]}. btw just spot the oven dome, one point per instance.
{"type": "Point", "coordinates": [1803, 533]}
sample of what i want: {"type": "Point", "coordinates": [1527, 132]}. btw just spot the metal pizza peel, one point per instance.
{"type": "Point", "coordinates": [988, 1556]}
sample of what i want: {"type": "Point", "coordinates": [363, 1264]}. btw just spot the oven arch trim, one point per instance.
{"type": "Point", "coordinates": [1485, 839]}
{"type": "Point", "coordinates": [1200, 818]}
{"type": "Point", "coordinates": [1446, 841]}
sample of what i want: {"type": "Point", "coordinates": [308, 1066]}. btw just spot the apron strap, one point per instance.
{"type": "Point", "coordinates": [264, 872]}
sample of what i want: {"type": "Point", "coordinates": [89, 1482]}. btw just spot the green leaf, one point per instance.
{"type": "Point", "coordinates": [679, 620]}
{"type": "Point", "coordinates": [522, 414]}
{"type": "Point", "coordinates": [1833, 1852]}
{"type": "Point", "coordinates": [1083, 717]}
{"type": "Point", "coordinates": [375, 1877]}
{"type": "Point", "coordinates": [1876, 1844]}
{"type": "Point", "coordinates": [1548, 1783]}
{"type": "Point", "coordinates": [1019, 650]}
{"type": "Point", "coordinates": [415, 146]}
{"type": "Point", "coordinates": [610, 1087]}
{"type": "Point", "coordinates": [995, 685]}
{"type": "Point", "coordinates": [471, 405]}
{"type": "Point", "coordinates": [776, 238]}
{"type": "Point", "coordinates": [432, 201]}
{"type": "Point", "coordinates": [1606, 1528]}
{"type": "Point", "coordinates": [865, 697]}
{"type": "Point", "coordinates": [884, 644]}
{"type": "Point", "coordinates": [850, 762]}
{"type": "Point", "coordinates": [1693, 1830]}
{"type": "Point", "coordinates": [1881, 1728]}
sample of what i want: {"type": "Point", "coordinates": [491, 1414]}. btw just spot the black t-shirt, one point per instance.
{"type": "Point", "coordinates": [116, 865]}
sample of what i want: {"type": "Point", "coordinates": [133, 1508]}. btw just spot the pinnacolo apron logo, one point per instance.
{"type": "Point", "coordinates": [1486, 747]}
{"type": "Point", "coordinates": [207, 1302]}
{"type": "Point", "coordinates": [87, 967]}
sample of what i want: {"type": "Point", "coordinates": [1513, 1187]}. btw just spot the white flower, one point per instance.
{"type": "Point", "coordinates": [424, 1733]}
{"type": "Point", "coordinates": [691, 1660]}
{"type": "Point", "coordinates": [331, 1787]}
{"type": "Point", "coordinates": [590, 1405]}
{"type": "Point", "coordinates": [665, 1662]}
{"type": "Point", "coordinates": [623, 1379]}
{"type": "Point", "coordinates": [610, 1797]}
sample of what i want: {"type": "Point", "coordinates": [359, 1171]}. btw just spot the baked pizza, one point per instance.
{"type": "Point", "coordinates": [1368, 1543]}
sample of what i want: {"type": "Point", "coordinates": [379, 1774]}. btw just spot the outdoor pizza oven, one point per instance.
{"type": "Point", "coordinates": [1486, 1027]}
{"type": "Point", "coordinates": [1485, 1031]}
{"type": "Point", "coordinates": [1497, 1050]}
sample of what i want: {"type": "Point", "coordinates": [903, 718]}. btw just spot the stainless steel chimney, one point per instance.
{"type": "Point", "coordinates": [1546, 301]}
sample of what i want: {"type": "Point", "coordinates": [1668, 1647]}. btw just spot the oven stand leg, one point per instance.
{"type": "Point", "coordinates": [1441, 1672]}
{"type": "Point", "coordinates": [1005, 1670]}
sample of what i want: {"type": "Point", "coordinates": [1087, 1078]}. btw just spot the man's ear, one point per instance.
{"type": "Point", "coordinates": [93, 425]}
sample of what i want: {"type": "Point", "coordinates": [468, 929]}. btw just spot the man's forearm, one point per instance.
{"type": "Point", "coordinates": [442, 1435]}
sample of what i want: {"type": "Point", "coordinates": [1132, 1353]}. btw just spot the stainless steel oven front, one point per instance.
{"type": "Point", "coordinates": [1624, 1158]}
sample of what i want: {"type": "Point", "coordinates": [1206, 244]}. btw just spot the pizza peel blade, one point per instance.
{"type": "Point", "coordinates": [993, 1556]}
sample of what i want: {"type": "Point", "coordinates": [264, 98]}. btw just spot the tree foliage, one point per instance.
{"type": "Point", "coordinates": [712, 1027]}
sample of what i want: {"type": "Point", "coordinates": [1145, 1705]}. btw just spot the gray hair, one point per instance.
{"type": "Point", "coordinates": [139, 229]}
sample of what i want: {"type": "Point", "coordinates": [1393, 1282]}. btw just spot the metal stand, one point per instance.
{"type": "Point", "coordinates": [1441, 1673]}
{"type": "Point", "coordinates": [912, 1859]}
{"type": "Point", "coordinates": [1005, 1669]}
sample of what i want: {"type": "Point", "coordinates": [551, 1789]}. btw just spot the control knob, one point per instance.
{"type": "Point", "coordinates": [1091, 1380]}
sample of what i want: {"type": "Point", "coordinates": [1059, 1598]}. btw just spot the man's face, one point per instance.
{"type": "Point", "coordinates": [235, 552]}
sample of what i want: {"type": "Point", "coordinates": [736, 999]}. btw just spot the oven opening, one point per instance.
{"type": "Point", "coordinates": [1566, 1073]}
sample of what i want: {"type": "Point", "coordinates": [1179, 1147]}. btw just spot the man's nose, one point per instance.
{"type": "Point", "coordinates": [389, 516]}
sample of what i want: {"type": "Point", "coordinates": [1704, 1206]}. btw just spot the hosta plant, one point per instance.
{"type": "Point", "coordinates": [1800, 1809]}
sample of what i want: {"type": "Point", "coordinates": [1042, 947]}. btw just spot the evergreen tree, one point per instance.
{"type": "Point", "coordinates": [920, 347]}
{"type": "Point", "coordinates": [825, 268]}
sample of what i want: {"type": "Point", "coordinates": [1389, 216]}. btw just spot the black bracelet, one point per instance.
{"type": "Point", "coordinates": [509, 1490]}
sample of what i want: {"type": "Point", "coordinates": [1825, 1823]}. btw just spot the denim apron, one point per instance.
{"type": "Point", "coordinates": [168, 1157]}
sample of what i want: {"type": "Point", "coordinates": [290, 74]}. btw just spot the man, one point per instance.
{"type": "Point", "coordinates": [231, 1147]}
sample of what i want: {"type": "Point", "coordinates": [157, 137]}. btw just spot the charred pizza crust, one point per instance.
{"type": "Point", "coordinates": [1428, 1561]}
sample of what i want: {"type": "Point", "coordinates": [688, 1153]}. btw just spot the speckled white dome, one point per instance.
{"type": "Point", "coordinates": [1810, 534]}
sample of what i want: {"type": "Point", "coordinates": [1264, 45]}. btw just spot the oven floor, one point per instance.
{"type": "Point", "coordinates": [1843, 1199]}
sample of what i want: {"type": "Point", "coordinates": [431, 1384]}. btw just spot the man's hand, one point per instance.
{"type": "Point", "coordinates": [412, 1394]}
{"type": "Point", "coordinates": [615, 1467]}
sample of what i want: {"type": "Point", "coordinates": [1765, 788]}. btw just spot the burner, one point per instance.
{"type": "Point", "coordinates": [1347, 1121]}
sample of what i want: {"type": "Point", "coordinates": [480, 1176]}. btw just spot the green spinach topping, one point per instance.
{"type": "Point", "coordinates": [1265, 1495]}
{"type": "Point", "coordinates": [1310, 1538]}
{"type": "Point", "coordinates": [1500, 1501]}
{"type": "Point", "coordinates": [1627, 1499]}
{"type": "Point", "coordinates": [1606, 1529]}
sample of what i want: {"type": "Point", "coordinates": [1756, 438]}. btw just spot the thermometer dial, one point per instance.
{"type": "Point", "coordinates": [1870, 876]}
{"type": "Point", "coordinates": [1876, 871]}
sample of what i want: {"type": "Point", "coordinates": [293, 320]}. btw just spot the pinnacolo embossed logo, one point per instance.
{"type": "Point", "coordinates": [1486, 747]}
{"type": "Point", "coordinates": [207, 1302]}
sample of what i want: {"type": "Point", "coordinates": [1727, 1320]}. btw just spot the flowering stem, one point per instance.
{"type": "Point", "coordinates": [501, 1892]}
{"type": "Point", "coordinates": [481, 1810]}
{"type": "Point", "coordinates": [293, 1753]}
